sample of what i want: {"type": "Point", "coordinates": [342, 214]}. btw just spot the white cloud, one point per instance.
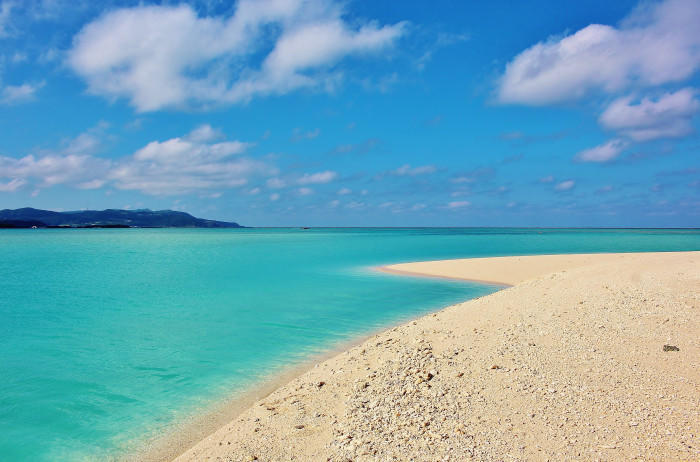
{"type": "Point", "coordinates": [12, 94]}
{"type": "Point", "coordinates": [276, 183]}
{"type": "Point", "coordinates": [602, 153]}
{"type": "Point", "coordinates": [53, 169]}
{"type": "Point", "coordinates": [565, 185]}
{"type": "Point", "coordinates": [669, 116]}
{"type": "Point", "coordinates": [344, 191]}
{"type": "Point", "coordinates": [547, 179]}
{"type": "Point", "coordinates": [74, 164]}
{"type": "Point", "coordinates": [274, 196]}
{"type": "Point", "coordinates": [5, 12]}
{"type": "Point", "coordinates": [300, 135]}
{"type": "Point", "coordinates": [318, 178]}
{"type": "Point", "coordinates": [175, 166]}
{"type": "Point", "coordinates": [657, 44]}
{"type": "Point", "coordinates": [458, 204]}
{"type": "Point", "coordinates": [407, 170]}
{"type": "Point", "coordinates": [205, 133]}
{"type": "Point", "coordinates": [165, 56]}
{"type": "Point", "coordinates": [12, 185]}
{"type": "Point", "coordinates": [305, 191]}
{"type": "Point", "coordinates": [18, 57]}
{"type": "Point", "coordinates": [183, 165]}
{"type": "Point", "coordinates": [355, 205]}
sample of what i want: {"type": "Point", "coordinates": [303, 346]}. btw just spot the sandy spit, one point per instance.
{"type": "Point", "coordinates": [585, 357]}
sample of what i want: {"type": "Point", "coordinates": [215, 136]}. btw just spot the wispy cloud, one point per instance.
{"type": "Point", "coordinates": [300, 135]}
{"type": "Point", "coordinates": [566, 185]}
{"type": "Point", "coordinates": [12, 185]}
{"type": "Point", "coordinates": [358, 148]}
{"type": "Point", "coordinates": [458, 204]}
{"type": "Point", "coordinates": [602, 153]}
{"type": "Point", "coordinates": [318, 178]}
{"type": "Point", "coordinates": [407, 170]}
{"type": "Point", "coordinates": [6, 7]}
{"type": "Point", "coordinates": [305, 191]}
{"type": "Point", "coordinates": [13, 94]}
{"type": "Point", "coordinates": [276, 183]}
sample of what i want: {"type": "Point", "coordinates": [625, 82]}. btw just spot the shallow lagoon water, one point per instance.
{"type": "Point", "coordinates": [110, 335]}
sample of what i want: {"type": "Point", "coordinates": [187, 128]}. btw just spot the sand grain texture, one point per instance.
{"type": "Point", "coordinates": [568, 364]}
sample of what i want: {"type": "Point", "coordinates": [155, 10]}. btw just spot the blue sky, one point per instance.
{"type": "Point", "coordinates": [382, 113]}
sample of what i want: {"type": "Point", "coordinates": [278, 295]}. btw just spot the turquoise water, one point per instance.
{"type": "Point", "coordinates": [110, 335]}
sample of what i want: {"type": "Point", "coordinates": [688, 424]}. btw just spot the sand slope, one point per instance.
{"type": "Point", "coordinates": [566, 364]}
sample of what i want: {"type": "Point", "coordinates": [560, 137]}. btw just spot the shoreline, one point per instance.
{"type": "Point", "coordinates": [181, 436]}
{"type": "Point", "coordinates": [283, 383]}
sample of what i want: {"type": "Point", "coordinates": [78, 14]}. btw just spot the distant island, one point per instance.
{"type": "Point", "coordinates": [110, 218]}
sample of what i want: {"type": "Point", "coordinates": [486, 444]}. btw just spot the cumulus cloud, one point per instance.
{"type": "Point", "coordinates": [602, 153]}
{"type": "Point", "coordinates": [73, 164]}
{"type": "Point", "coordinates": [344, 191]}
{"type": "Point", "coordinates": [407, 170]}
{"type": "Point", "coordinates": [657, 44]}
{"type": "Point", "coordinates": [668, 116]}
{"type": "Point", "coordinates": [566, 185]}
{"type": "Point", "coordinates": [165, 56]}
{"type": "Point", "coordinates": [182, 165]}
{"type": "Point", "coordinates": [53, 169]}
{"type": "Point", "coordinates": [192, 163]}
{"type": "Point", "coordinates": [318, 178]}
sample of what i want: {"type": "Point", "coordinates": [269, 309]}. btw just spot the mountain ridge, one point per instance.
{"type": "Point", "coordinates": [28, 217]}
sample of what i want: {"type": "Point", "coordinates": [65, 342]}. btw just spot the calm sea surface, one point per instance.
{"type": "Point", "coordinates": [110, 335]}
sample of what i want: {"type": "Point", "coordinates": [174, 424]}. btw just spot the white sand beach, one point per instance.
{"type": "Point", "coordinates": [585, 357]}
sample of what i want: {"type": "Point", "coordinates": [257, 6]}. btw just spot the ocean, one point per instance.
{"type": "Point", "coordinates": [109, 337]}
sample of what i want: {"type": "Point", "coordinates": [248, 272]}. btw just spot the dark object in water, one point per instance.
{"type": "Point", "coordinates": [671, 348]}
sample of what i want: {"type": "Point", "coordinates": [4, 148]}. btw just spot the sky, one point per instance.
{"type": "Point", "coordinates": [355, 113]}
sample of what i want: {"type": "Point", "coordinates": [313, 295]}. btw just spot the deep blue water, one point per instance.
{"type": "Point", "coordinates": [110, 335]}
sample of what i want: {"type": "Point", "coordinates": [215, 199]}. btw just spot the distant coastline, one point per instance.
{"type": "Point", "coordinates": [110, 218]}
